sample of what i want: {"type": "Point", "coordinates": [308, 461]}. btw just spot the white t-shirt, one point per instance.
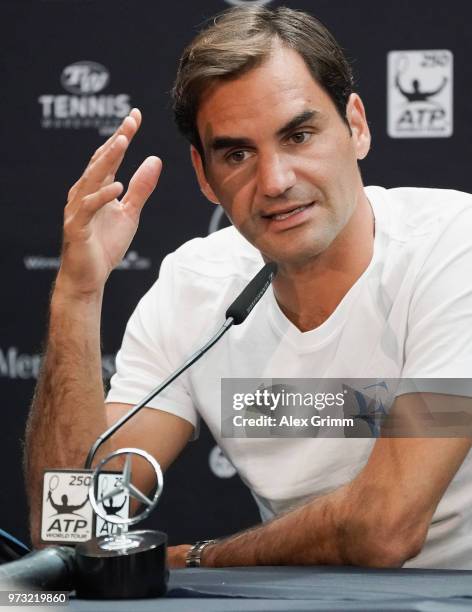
{"type": "Point", "coordinates": [408, 315]}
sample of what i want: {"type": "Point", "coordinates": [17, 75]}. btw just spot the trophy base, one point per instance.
{"type": "Point", "coordinates": [128, 566]}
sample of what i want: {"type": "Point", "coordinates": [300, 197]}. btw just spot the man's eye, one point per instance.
{"type": "Point", "coordinates": [236, 157]}
{"type": "Point", "coordinates": [300, 137]}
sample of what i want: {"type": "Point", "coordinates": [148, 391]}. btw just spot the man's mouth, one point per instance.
{"type": "Point", "coordinates": [285, 214]}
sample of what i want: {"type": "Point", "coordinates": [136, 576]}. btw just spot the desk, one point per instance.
{"type": "Point", "coordinates": [326, 589]}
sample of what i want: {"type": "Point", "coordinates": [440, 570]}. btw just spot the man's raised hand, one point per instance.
{"type": "Point", "coordinates": [98, 228]}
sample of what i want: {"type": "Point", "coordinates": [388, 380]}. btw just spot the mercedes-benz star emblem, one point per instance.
{"type": "Point", "coordinates": [122, 564]}
{"type": "Point", "coordinates": [125, 486]}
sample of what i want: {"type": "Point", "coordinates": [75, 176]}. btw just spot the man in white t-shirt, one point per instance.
{"type": "Point", "coordinates": [370, 284]}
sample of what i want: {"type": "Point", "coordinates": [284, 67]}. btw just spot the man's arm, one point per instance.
{"type": "Point", "coordinates": [380, 519]}
{"type": "Point", "coordinates": [68, 412]}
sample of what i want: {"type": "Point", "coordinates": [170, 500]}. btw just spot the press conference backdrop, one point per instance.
{"type": "Point", "coordinates": [71, 69]}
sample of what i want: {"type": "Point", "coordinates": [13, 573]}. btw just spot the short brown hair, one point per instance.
{"type": "Point", "coordinates": [239, 39]}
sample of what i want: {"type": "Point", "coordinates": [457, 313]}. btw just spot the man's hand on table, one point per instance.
{"type": "Point", "coordinates": [176, 555]}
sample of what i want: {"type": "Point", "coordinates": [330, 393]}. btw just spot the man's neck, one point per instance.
{"type": "Point", "coordinates": [310, 293]}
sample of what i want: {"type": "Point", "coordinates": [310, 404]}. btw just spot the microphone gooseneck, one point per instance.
{"type": "Point", "coordinates": [235, 315]}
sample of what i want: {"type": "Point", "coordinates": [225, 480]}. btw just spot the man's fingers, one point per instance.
{"type": "Point", "coordinates": [128, 128]}
{"type": "Point", "coordinates": [101, 171]}
{"type": "Point", "coordinates": [92, 203]}
{"type": "Point", "coordinates": [136, 114]}
{"type": "Point", "coordinates": [142, 184]}
{"type": "Point", "coordinates": [103, 168]}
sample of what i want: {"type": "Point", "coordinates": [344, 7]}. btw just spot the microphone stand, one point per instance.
{"type": "Point", "coordinates": [191, 360]}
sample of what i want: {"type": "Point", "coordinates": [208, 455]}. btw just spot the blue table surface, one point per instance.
{"type": "Point", "coordinates": [304, 588]}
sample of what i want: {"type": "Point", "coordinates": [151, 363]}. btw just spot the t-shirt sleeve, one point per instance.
{"type": "Point", "coordinates": [439, 338]}
{"type": "Point", "coordinates": [148, 356]}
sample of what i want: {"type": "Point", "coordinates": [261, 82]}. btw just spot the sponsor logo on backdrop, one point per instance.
{"type": "Point", "coordinates": [219, 464]}
{"type": "Point", "coordinates": [17, 365]}
{"type": "Point", "coordinates": [218, 220]}
{"type": "Point", "coordinates": [14, 364]}
{"type": "Point", "coordinates": [85, 78]}
{"type": "Point", "coordinates": [131, 261]}
{"type": "Point", "coordinates": [247, 2]}
{"type": "Point", "coordinates": [420, 94]}
{"type": "Point", "coordinates": [85, 105]}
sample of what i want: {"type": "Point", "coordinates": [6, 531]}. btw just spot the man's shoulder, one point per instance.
{"type": "Point", "coordinates": [408, 212]}
{"type": "Point", "coordinates": [429, 198]}
{"type": "Point", "coordinates": [222, 254]}
{"type": "Point", "coordinates": [199, 280]}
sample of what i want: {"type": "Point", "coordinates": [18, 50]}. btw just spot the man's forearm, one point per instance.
{"type": "Point", "coordinates": [381, 518]}
{"type": "Point", "coordinates": [312, 534]}
{"type": "Point", "coordinates": [350, 526]}
{"type": "Point", "coordinates": [67, 412]}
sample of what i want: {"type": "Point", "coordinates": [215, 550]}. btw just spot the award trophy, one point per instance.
{"type": "Point", "coordinates": [126, 564]}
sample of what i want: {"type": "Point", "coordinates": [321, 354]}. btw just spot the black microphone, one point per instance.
{"type": "Point", "coordinates": [51, 569]}
{"type": "Point", "coordinates": [236, 314]}
{"type": "Point", "coordinates": [251, 294]}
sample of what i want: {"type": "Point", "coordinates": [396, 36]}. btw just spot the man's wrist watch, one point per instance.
{"type": "Point", "coordinates": [193, 557]}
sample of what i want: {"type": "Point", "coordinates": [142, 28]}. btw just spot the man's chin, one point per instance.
{"type": "Point", "coordinates": [295, 255]}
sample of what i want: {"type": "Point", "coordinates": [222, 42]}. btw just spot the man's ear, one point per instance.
{"type": "Point", "coordinates": [197, 164]}
{"type": "Point", "coordinates": [355, 114]}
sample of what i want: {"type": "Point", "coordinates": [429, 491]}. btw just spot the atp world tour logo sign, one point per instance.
{"type": "Point", "coordinates": [420, 94]}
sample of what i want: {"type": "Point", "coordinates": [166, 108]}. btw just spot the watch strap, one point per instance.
{"type": "Point", "coordinates": [193, 556]}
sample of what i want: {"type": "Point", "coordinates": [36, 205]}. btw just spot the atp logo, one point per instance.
{"type": "Point", "coordinates": [420, 102]}
{"type": "Point", "coordinates": [66, 511]}
{"type": "Point", "coordinates": [116, 505]}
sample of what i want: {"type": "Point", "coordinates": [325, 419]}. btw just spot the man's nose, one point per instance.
{"type": "Point", "coordinates": [275, 175]}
